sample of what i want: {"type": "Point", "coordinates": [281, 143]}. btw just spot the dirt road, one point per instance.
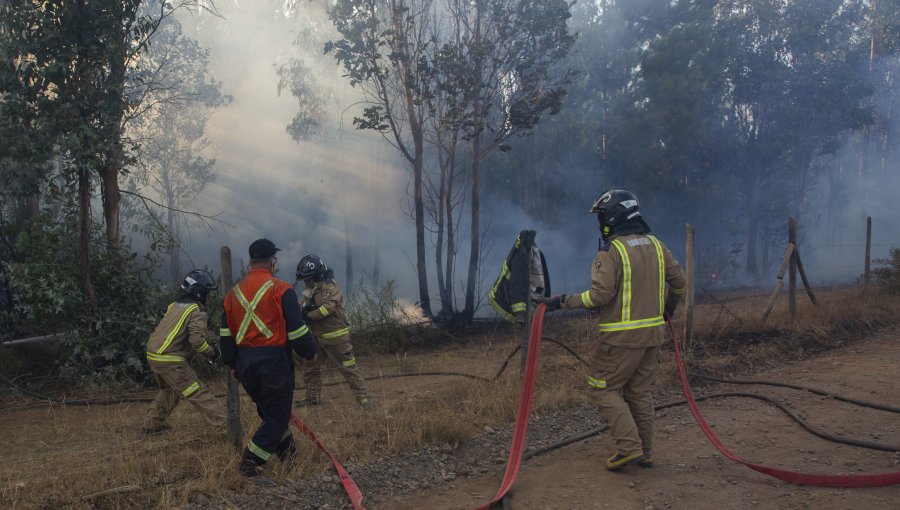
{"type": "Point", "coordinates": [690, 473]}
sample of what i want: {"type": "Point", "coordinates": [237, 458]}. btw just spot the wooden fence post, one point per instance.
{"type": "Point", "coordinates": [235, 434]}
{"type": "Point", "coordinates": [792, 274]}
{"type": "Point", "coordinates": [788, 256]}
{"type": "Point", "coordinates": [689, 263]}
{"type": "Point", "coordinates": [868, 254]}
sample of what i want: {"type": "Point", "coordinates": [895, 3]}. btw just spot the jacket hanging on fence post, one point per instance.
{"type": "Point", "coordinates": [511, 294]}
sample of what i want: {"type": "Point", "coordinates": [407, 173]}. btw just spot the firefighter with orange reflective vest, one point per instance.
{"type": "Point", "coordinates": [261, 325]}
{"type": "Point", "coordinates": [179, 335]}
{"type": "Point", "coordinates": [323, 309]}
{"type": "Point", "coordinates": [628, 290]}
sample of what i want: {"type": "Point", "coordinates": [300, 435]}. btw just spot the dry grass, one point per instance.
{"type": "Point", "coordinates": [55, 457]}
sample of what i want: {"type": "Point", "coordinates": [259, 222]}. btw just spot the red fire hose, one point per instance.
{"type": "Point", "coordinates": [350, 487]}
{"type": "Point", "coordinates": [818, 480]}
{"type": "Point", "coordinates": [527, 391]}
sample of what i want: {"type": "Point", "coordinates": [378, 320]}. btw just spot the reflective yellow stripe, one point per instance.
{"type": "Point", "coordinates": [349, 363]}
{"type": "Point", "coordinates": [297, 333]}
{"type": "Point", "coordinates": [177, 327]}
{"type": "Point", "coordinates": [518, 307]}
{"type": "Point", "coordinates": [597, 383]}
{"type": "Point", "coordinates": [190, 390]}
{"type": "Point", "coordinates": [638, 324]}
{"type": "Point", "coordinates": [224, 332]}
{"type": "Point", "coordinates": [504, 273]}
{"type": "Point", "coordinates": [250, 309]}
{"type": "Point", "coordinates": [324, 311]}
{"type": "Point", "coordinates": [662, 273]}
{"type": "Point", "coordinates": [626, 279]}
{"type": "Point", "coordinates": [203, 347]}
{"type": "Point", "coordinates": [335, 334]}
{"type": "Point", "coordinates": [499, 309]}
{"type": "Point", "coordinates": [259, 452]}
{"type": "Point", "coordinates": [165, 358]}
{"type": "Point", "coordinates": [678, 290]}
{"type": "Point", "coordinates": [586, 299]}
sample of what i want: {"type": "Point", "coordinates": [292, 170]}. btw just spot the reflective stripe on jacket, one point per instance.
{"type": "Point", "coordinates": [628, 289]}
{"type": "Point", "coordinates": [180, 333]}
{"type": "Point", "coordinates": [253, 311]}
{"type": "Point", "coordinates": [328, 321]}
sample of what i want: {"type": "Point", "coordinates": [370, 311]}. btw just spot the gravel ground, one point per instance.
{"type": "Point", "coordinates": [386, 478]}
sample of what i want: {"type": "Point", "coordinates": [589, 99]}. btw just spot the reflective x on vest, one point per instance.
{"type": "Point", "coordinates": [249, 311]}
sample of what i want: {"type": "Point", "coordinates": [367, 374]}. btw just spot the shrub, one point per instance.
{"type": "Point", "coordinates": [887, 272]}
{"type": "Point", "coordinates": [107, 338]}
{"type": "Point", "coordinates": [381, 322]}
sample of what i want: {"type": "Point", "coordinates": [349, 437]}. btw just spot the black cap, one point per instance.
{"type": "Point", "coordinates": [262, 249]}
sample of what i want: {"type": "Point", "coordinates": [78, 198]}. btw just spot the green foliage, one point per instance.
{"type": "Point", "coordinates": [887, 272]}
{"type": "Point", "coordinates": [107, 338]}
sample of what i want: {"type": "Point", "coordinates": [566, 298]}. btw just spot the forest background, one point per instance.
{"type": "Point", "coordinates": [407, 142]}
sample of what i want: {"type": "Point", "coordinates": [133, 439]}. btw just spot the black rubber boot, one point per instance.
{"type": "Point", "coordinates": [287, 450]}
{"type": "Point", "coordinates": [251, 469]}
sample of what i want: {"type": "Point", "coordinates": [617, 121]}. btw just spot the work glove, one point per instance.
{"type": "Point", "coordinates": [670, 308]}
{"type": "Point", "coordinates": [520, 318]}
{"type": "Point", "coordinates": [552, 302]}
{"type": "Point", "coordinates": [216, 356]}
{"type": "Point", "coordinates": [307, 308]}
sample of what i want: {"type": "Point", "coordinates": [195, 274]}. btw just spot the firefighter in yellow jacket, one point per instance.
{"type": "Point", "coordinates": [628, 290]}
{"type": "Point", "coordinates": [323, 309]}
{"type": "Point", "coordinates": [179, 336]}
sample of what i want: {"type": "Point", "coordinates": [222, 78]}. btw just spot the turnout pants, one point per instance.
{"type": "Point", "coordinates": [177, 380]}
{"type": "Point", "coordinates": [341, 353]}
{"type": "Point", "coordinates": [267, 374]}
{"type": "Point", "coordinates": [626, 402]}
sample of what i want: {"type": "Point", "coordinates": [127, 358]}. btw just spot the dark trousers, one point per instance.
{"type": "Point", "coordinates": [267, 374]}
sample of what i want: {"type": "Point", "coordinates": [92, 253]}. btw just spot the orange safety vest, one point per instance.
{"type": "Point", "coordinates": [253, 310]}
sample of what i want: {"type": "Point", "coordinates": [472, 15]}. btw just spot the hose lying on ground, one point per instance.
{"type": "Point", "coordinates": [824, 393]}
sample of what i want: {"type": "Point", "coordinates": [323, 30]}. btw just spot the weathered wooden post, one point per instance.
{"type": "Point", "coordinates": [792, 274]}
{"type": "Point", "coordinates": [689, 263]}
{"type": "Point", "coordinates": [779, 284]}
{"type": "Point", "coordinates": [235, 434]}
{"type": "Point", "coordinates": [868, 254]}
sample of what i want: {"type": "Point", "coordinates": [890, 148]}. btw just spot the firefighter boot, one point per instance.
{"type": "Point", "coordinates": [251, 468]}
{"type": "Point", "coordinates": [619, 460]}
{"type": "Point", "coordinates": [287, 451]}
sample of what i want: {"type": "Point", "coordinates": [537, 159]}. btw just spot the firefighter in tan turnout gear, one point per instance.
{"type": "Point", "coordinates": [179, 336]}
{"type": "Point", "coordinates": [628, 290]}
{"type": "Point", "coordinates": [323, 309]}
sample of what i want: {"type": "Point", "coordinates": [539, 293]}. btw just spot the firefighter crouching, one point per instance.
{"type": "Point", "coordinates": [323, 309]}
{"type": "Point", "coordinates": [261, 325]}
{"type": "Point", "coordinates": [628, 289]}
{"type": "Point", "coordinates": [179, 335]}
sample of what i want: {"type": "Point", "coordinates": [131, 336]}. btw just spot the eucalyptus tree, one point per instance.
{"type": "Point", "coordinates": [502, 59]}
{"type": "Point", "coordinates": [383, 51]}
{"type": "Point", "coordinates": [171, 155]}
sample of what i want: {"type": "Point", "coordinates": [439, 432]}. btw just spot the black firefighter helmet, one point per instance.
{"type": "Point", "coordinates": [614, 208]}
{"type": "Point", "coordinates": [311, 266]}
{"type": "Point", "coordinates": [197, 284]}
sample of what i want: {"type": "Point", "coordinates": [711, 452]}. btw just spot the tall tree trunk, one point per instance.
{"type": "Point", "coordinates": [348, 246]}
{"type": "Point", "coordinates": [415, 128]}
{"type": "Point", "coordinates": [451, 237]}
{"type": "Point", "coordinates": [471, 282]}
{"type": "Point", "coordinates": [753, 227]}
{"type": "Point", "coordinates": [84, 240]}
{"type": "Point", "coordinates": [439, 241]}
